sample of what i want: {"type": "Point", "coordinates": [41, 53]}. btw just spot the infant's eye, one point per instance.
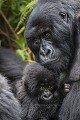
{"type": "Point", "coordinates": [50, 87]}
{"type": "Point", "coordinates": [42, 88]}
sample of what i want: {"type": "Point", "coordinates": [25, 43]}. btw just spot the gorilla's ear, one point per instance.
{"type": "Point", "coordinates": [75, 70]}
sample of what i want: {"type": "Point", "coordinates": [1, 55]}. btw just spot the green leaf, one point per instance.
{"type": "Point", "coordinates": [21, 43]}
{"type": "Point", "coordinates": [21, 30]}
{"type": "Point", "coordinates": [25, 12]}
{"type": "Point", "coordinates": [21, 53]}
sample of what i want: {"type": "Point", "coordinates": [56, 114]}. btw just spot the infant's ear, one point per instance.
{"type": "Point", "coordinates": [75, 70]}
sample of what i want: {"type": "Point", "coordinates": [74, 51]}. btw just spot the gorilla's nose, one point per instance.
{"type": "Point", "coordinates": [47, 53]}
{"type": "Point", "coordinates": [47, 95]}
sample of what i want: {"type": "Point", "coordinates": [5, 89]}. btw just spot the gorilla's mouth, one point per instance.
{"type": "Point", "coordinates": [49, 61]}
{"type": "Point", "coordinates": [46, 97]}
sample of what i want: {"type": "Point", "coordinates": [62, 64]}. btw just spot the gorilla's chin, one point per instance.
{"type": "Point", "coordinates": [49, 61]}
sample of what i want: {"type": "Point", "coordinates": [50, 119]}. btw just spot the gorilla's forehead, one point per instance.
{"type": "Point", "coordinates": [51, 8]}
{"type": "Point", "coordinates": [47, 12]}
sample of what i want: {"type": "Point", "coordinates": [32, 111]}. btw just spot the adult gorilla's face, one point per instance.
{"type": "Point", "coordinates": [49, 33]}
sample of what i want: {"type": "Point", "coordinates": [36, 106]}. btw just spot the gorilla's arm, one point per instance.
{"type": "Point", "coordinates": [11, 65]}
{"type": "Point", "coordinates": [9, 106]}
{"type": "Point", "coordinates": [70, 109]}
{"type": "Point", "coordinates": [75, 70]}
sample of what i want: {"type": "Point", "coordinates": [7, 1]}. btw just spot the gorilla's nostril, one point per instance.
{"type": "Point", "coordinates": [48, 52]}
{"type": "Point", "coordinates": [53, 53]}
{"type": "Point", "coordinates": [42, 52]}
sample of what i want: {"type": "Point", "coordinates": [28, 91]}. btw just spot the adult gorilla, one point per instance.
{"type": "Point", "coordinates": [52, 33]}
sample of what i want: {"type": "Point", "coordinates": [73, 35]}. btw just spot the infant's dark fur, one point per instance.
{"type": "Point", "coordinates": [40, 93]}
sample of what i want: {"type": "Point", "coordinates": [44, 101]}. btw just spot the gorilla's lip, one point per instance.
{"type": "Point", "coordinates": [48, 98]}
{"type": "Point", "coordinates": [48, 61]}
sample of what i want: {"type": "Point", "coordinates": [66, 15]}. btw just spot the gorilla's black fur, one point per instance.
{"type": "Point", "coordinates": [53, 34]}
{"type": "Point", "coordinates": [14, 72]}
{"type": "Point", "coordinates": [11, 65]}
{"type": "Point", "coordinates": [40, 93]}
{"type": "Point", "coordinates": [9, 106]}
{"type": "Point", "coordinates": [70, 109]}
{"type": "Point", "coordinates": [54, 37]}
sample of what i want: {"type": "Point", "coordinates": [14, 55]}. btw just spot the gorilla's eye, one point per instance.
{"type": "Point", "coordinates": [64, 16]}
{"type": "Point", "coordinates": [47, 35]}
{"type": "Point", "coordinates": [36, 42]}
{"type": "Point", "coordinates": [50, 87]}
{"type": "Point", "coordinates": [42, 88]}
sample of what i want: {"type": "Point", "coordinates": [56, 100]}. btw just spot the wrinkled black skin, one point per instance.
{"type": "Point", "coordinates": [59, 46]}
{"type": "Point", "coordinates": [9, 106]}
{"type": "Point", "coordinates": [29, 93]}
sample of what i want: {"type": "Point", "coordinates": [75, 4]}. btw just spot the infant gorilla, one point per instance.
{"type": "Point", "coordinates": [40, 93]}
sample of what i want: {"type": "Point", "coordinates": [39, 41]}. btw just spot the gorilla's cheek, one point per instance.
{"type": "Point", "coordinates": [53, 58]}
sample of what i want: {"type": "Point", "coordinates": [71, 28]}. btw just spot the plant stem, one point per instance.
{"type": "Point", "coordinates": [7, 22]}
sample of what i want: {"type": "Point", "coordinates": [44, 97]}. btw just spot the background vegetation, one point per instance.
{"type": "Point", "coordinates": [13, 14]}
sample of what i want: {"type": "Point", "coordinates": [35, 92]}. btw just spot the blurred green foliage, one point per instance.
{"type": "Point", "coordinates": [13, 14]}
